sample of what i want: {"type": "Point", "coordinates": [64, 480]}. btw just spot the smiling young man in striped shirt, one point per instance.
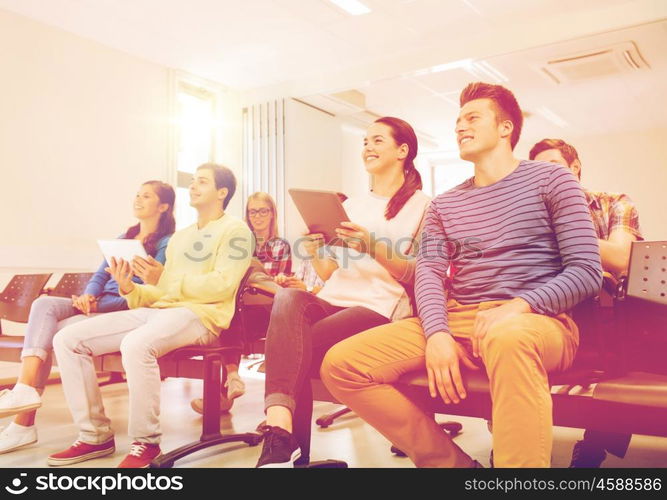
{"type": "Point", "coordinates": [521, 251]}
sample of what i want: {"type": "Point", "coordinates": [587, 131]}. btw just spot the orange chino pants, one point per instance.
{"type": "Point", "coordinates": [517, 354]}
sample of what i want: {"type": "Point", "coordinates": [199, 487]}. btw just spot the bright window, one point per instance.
{"type": "Point", "coordinates": [196, 143]}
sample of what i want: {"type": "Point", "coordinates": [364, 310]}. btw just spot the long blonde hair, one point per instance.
{"type": "Point", "coordinates": [266, 198]}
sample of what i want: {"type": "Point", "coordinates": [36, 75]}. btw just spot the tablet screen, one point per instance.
{"type": "Point", "coordinates": [122, 249]}
{"type": "Point", "coordinates": [322, 211]}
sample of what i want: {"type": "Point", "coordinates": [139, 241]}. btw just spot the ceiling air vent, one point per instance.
{"type": "Point", "coordinates": [607, 61]}
{"type": "Point", "coordinates": [338, 104]}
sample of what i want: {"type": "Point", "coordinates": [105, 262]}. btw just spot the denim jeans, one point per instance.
{"type": "Point", "coordinates": [47, 316]}
{"type": "Point", "coordinates": [301, 330]}
{"type": "Point", "coordinates": [45, 313]}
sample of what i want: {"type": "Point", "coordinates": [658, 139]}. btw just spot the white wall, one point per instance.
{"type": "Point", "coordinates": [229, 144]}
{"type": "Point", "coordinates": [634, 163]}
{"type": "Point", "coordinates": [354, 179]}
{"type": "Point", "coordinates": [81, 127]}
{"type": "Point", "coordinates": [313, 145]}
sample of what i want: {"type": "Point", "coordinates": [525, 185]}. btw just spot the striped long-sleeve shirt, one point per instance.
{"type": "Point", "coordinates": [529, 235]}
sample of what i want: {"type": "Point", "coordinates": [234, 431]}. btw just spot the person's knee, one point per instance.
{"type": "Point", "coordinates": [134, 348]}
{"type": "Point", "coordinates": [43, 305]}
{"type": "Point", "coordinates": [289, 297]}
{"type": "Point", "coordinates": [343, 363]}
{"type": "Point", "coordinates": [65, 340]}
{"type": "Point", "coordinates": [333, 365]}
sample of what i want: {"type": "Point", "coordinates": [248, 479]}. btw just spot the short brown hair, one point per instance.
{"type": "Point", "coordinates": [224, 178]}
{"type": "Point", "coordinates": [507, 107]}
{"type": "Point", "coordinates": [567, 150]}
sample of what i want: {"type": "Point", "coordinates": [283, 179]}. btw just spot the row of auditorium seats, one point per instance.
{"type": "Point", "coordinates": [601, 391]}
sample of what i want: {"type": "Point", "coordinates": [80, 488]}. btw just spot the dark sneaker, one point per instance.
{"type": "Point", "coordinates": [280, 449]}
{"type": "Point", "coordinates": [141, 455]}
{"type": "Point", "coordinates": [80, 452]}
{"type": "Point", "coordinates": [587, 455]}
{"type": "Point", "coordinates": [397, 451]}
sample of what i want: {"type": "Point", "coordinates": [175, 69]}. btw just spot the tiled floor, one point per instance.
{"type": "Point", "coordinates": [349, 438]}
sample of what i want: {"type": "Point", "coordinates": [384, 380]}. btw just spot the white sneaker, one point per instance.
{"type": "Point", "coordinates": [18, 400]}
{"type": "Point", "coordinates": [13, 437]}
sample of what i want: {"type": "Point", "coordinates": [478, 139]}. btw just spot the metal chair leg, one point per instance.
{"type": "Point", "coordinates": [211, 435]}
{"type": "Point", "coordinates": [326, 420]}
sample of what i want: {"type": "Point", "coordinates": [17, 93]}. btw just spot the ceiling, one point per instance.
{"type": "Point", "coordinates": [270, 44]}
{"type": "Point", "coordinates": [257, 43]}
{"type": "Point", "coordinates": [600, 104]}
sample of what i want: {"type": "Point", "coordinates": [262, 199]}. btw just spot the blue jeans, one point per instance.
{"type": "Point", "coordinates": [47, 315]}
{"type": "Point", "coordinates": [301, 330]}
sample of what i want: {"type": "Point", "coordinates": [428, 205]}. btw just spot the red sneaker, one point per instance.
{"type": "Point", "coordinates": [80, 452]}
{"type": "Point", "coordinates": [141, 455]}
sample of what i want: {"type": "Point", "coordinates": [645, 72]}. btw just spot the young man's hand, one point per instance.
{"type": "Point", "coordinates": [486, 319]}
{"type": "Point", "coordinates": [443, 355]}
{"type": "Point", "coordinates": [122, 273]}
{"type": "Point", "coordinates": [149, 270]}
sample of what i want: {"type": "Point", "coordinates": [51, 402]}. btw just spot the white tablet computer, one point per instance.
{"type": "Point", "coordinates": [322, 211]}
{"type": "Point", "coordinates": [122, 249]}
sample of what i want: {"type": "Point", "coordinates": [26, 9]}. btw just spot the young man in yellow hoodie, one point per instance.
{"type": "Point", "coordinates": [190, 301]}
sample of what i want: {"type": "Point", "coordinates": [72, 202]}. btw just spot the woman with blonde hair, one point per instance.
{"type": "Point", "coordinates": [275, 255]}
{"type": "Point", "coordinates": [271, 250]}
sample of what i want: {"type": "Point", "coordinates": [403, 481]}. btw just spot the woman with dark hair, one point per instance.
{"type": "Point", "coordinates": [363, 287]}
{"type": "Point", "coordinates": [154, 207]}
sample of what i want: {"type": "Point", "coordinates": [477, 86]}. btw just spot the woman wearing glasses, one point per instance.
{"type": "Point", "coordinates": [272, 251]}
{"type": "Point", "coordinates": [275, 255]}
